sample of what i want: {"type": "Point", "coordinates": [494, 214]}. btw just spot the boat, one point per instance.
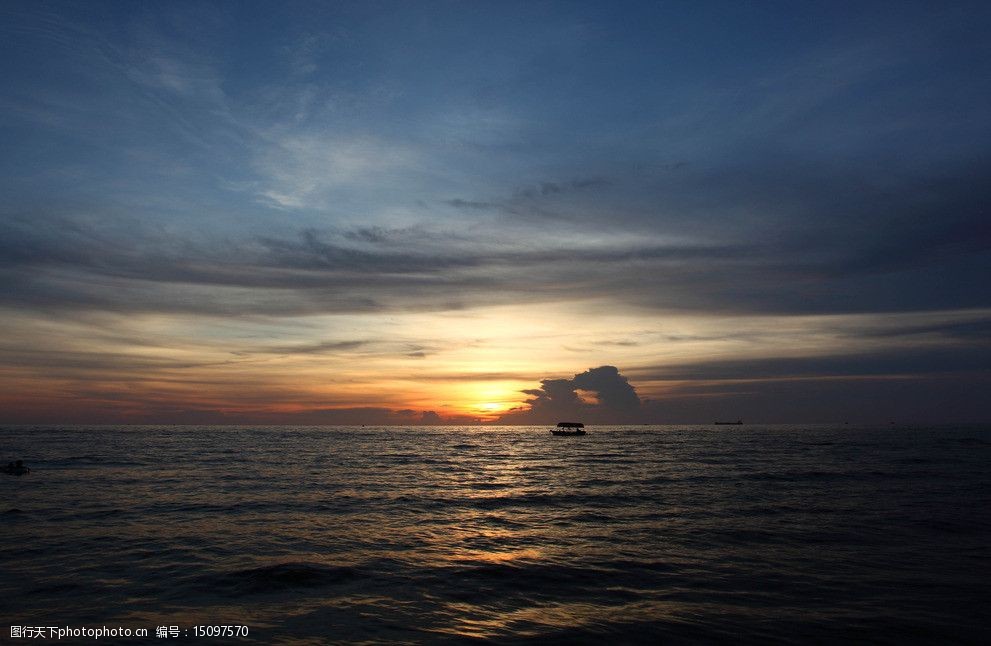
{"type": "Point", "coordinates": [738, 422]}
{"type": "Point", "coordinates": [569, 428]}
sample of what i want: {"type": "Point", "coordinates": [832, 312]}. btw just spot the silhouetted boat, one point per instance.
{"type": "Point", "coordinates": [738, 422]}
{"type": "Point", "coordinates": [569, 428]}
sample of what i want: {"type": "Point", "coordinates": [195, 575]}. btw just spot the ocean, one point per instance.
{"type": "Point", "coordinates": [632, 534]}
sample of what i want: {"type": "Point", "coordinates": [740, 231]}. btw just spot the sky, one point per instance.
{"type": "Point", "coordinates": [498, 212]}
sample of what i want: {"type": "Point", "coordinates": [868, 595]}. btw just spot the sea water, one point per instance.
{"type": "Point", "coordinates": [635, 534]}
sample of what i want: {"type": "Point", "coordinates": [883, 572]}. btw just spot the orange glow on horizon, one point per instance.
{"type": "Point", "coordinates": [464, 366]}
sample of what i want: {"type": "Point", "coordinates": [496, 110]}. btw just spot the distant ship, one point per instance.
{"type": "Point", "coordinates": [569, 428]}
{"type": "Point", "coordinates": [738, 422]}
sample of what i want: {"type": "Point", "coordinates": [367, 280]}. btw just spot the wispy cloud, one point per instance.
{"type": "Point", "coordinates": [304, 171]}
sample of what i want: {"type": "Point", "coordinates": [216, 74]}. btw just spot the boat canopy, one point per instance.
{"type": "Point", "coordinates": [570, 425]}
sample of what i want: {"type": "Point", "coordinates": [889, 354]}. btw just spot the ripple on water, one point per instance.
{"type": "Point", "coordinates": [275, 578]}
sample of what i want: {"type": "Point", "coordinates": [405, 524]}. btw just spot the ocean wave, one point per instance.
{"type": "Point", "coordinates": [276, 577]}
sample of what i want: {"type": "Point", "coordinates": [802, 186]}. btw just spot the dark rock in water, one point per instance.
{"type": "Point", "coordinates": [281, 576]}
{"type": "Point", "coordinates": [16, 468]}
{"type": "Point", "coordinates": [14, 510]}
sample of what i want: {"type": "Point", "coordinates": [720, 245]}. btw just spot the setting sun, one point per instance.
{"type": "Point", "coordinates": [490, 410]}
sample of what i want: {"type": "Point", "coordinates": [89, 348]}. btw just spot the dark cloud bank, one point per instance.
{"type": "Point", "coordinates": [609, 398]}
{"type": "Point", "coordinates": [759, 237]}
{"type": "Point", "coordinates": [918, 394]}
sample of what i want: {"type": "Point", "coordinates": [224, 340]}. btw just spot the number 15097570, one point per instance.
{"type": "Point", "coordinates": [220, 631]}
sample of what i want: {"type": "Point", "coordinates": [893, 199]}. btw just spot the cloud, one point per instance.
{"type": "Point", "coordinates": [123, 264]}
{"type": "Point", "coordinates": [369, 234]}
{"type": "Point", "coordinates": [869, 399]}
{"type": "Point", "coordinates": [308, 169]}
{"type": "Point", "coordinates": [614, 392]}
{"type": "Point", "coordinates": [530, 199]}
{"type": "Point", "coordinates": [900, 360]}
{"type": "Point", "coordinates": [323, 347]}
{"type": "Point", "coordinates": [476, 205]}
{"type": "Point", "coordinates": [559, 399]}
{"type": "Point", "coordinates": [431, 417]}
{"type": "Point", "coordinates": [108, 408]}
{"type": "Point", "coordinates": [546, 189]}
